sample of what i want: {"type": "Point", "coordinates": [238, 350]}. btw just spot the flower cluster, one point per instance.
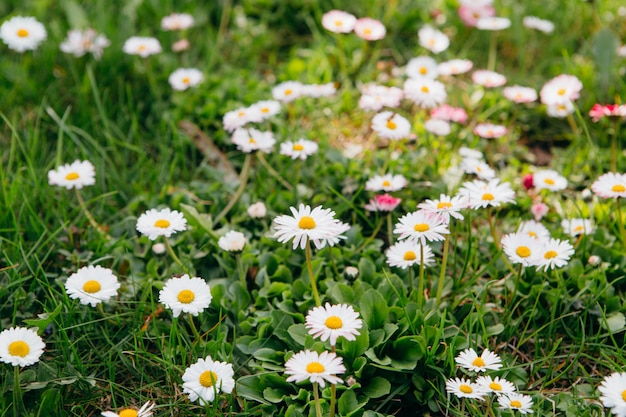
{"type": "Point", "coordinates": [338, 21]}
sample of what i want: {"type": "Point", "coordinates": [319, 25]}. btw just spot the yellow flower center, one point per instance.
{"type": "Point", "coordinates": [478, 362]}
{"type": "Point", "coordinates": [444, 205]}
{"type": "Point", "coordinates": [409, 255]}
{"type": "Point", "coordinates": [288, 91]}
{"type": "Point", "coordinates": [315, 368]}
{"type": "Point", "coordinates": [561, 92]}
{"type": "Point", "coordinates": [489, 132]}
{"type": "Point", "coordinates": [516, 404]}
{"type": "Point", "coordinates": [532, 234]}
{"type": "Point", "coordinates": [241, 114]}
{"type": "Point", "coordinates": [561, 107]}
{"type": "Point", "coordinates": [306, 222]}
{"type": "Point", "coordinates": [432, 42]}
{"type": "Point", "coordinates": [618, 188]}
{"type": "Point", "coordinates": [251, 140]}
{"type": "Point", "coordinates": [207, 379]}
{"type": "Point", "coordinates": [186, 80]}
{"type": "Point", "coordinates": [423, 70]}
{"type": "Point", "coordinates": [72, 176]}
{"type": "Point", "coordinates": [333, 322]}
{"type": "Point", "coordinates": [391, 125]}
{"type": "Point", "coordinates": [128, 412]}
{"type": "Point", "coordinates": [550, 254]}
{"type": "Point", "coordinates": [141, 48]}
{"type": "Point", "coordinates": [186, 296]}
{"type": "Point", "coordinates": [424, 89]}
{"type": "Point", "coordinates": [495, 386]}
{"type": "Point", "coordinates": [91, 286]}
{"type": "Point", "coordinates": [338, 23]}
{"type": "Point", "coordinates": [265, 110]}
{"type": "Point", "coordinates": [464, 388]}
{"type": "Point", "coordinates": [386, 183]}
{"type": "Point", "coordinates": [421, 227]}
{"type": "Point", "coordinates": [624, 395]}
{"type": "Point", "coordinates": [523, 251]}
{"type": "Point", "coordinates": [578, 228]}
{"type": "Point", "coordinates": [367, 31]}
{"type": "Point", "coordinates": [19, 348]}
{"type": "Point", "coordinates": [549, 181]}
{"type": "Point", "coordinates": [22, 33]}
{"type": "Point", "coordinates": [162, 224]}
{"type": "Point", "coordinates": [488, 197]}
{"type": "Point", "coordinates": [298, 147]}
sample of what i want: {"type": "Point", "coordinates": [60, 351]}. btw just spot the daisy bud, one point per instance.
{"type": "Point", "coordinates": [351, 271]}
{"type": "Point", "coordinates": [594, 260]}
{"type": "Point", "coordinates": [257, 210]}
{"type": "Point", "coordinates": [158, 248]}
{"type": "Point", "coordinates": [528, 182]}
{"type": "Point", "coordinates": [539, 210]}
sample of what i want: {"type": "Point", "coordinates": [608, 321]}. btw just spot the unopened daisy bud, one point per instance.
{"type": "Point", "coordinates": [159, 248]}
{"type": "Point", "coordinates": [181, 45]}
{"type": "Point", "coordinates": [528, 181]}
{"type": "Point", "coordinates": [232, 241]}
{"type": "Point", "coordinates": [351, 271]}
{"type": "Point", "coordinates": [350, 381]}
{"type": "Point", "coordinates": [257, 210]}
{"type": "Point", "coordinates": [594, 260]}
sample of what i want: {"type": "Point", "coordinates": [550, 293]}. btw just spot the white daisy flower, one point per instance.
{"type": "Point", "coordinates": [22, 33]}
{"type": "Point", "coordinates": [421, 226]}
{"type": "Point", "coordinates": [317, 225]}
{"type": "Point", "coordinates": [470, 12]}
{"type": "Point", "coordinates": [369, 29]}
{"type": "Point", "coordinates": [446, 206]}
{"type": "Point", "coordinates": [575, 227]}
{"type": "Point", "coordinates": [488, 78]}
{"type": "Point", "coordinates": [257, 210]}
{"type": "Point", "coordinates": [519, 94]}
{"type": "Point", "coordinates": [92, 285]}
{"type": "Point", "coordinates": [483, 194]}
{"type": "Point", "coordinates": [534, 229]}
{"type": "Point", "coordinates": [515, 401]}
{"type": "Point", "coordinates": [479, 168]}
{"type": "Point", "coordinates": [320, 368]}
{"type": "Point", "coordinates": [422, 67]}
{"type": "Point", "coordinates": [549, 180]}
{"type": "Point", "coordinates": [493, 23]}
{"type": "Point", "coordinates": [560, 109]}
{"type": "Point", "coordinates": [184, 78]}
{"type": "Point", "coordinates": [80, 42]}
{"type": "Point", "coordinates": [154, 223]}
{"type": "Point", "coordinates": [75, 175]}
{"type": "Point", "coordinates": [387, 182]}
{"type": "Point", "coordinates": [521, 248]}
{"type": "Point", "coordinates": [391, 125]}
{"type": "Point", "coordinates": [470, 153]}
{"type": "Point", "coordinates": [489, 130]}
{"type": "Point", "coordinates": [487, 360]}
{"type": "Point", "coordinates": [240, 117]}
{"type": "Point", "coordinates": [497, 385]}
{"type": "Point", "coordinates": [250, 140]}
{"type": "Point", "coordinates": [433, 39]}
{"type": "Point", "coordinates": [266, 108]}
{"type": "Point", "coordinates": [300, 149]}
{"type": "Point", "coordinates": [142, 46]}
{"type": "Point", "coordinates": [613, 390]}
{"type": "Point", "coordinates": [407, 253]}
{"type": "Point", "coordinates": [542, 25]}
{"type": "Point", "coordinates": [375, 97]}
{"type": "Point", "coordinates": [186, 295]}
{"type": "Point", "coordinates": [425, 92]}
{"type": "Point", "coordinates": [554, 254]}
{"type": "Point", "coordinates": [287, 91]}
{"type": "Point", "coordinates": [318, 90]}
{"type": "Point", "coordinates": [232, 241]}
{"type": "Point", "coordinates": [333, 321]}
{"type": "Point", "coordinates": [144, 411]}
{"type": "Point", "coordinates": [455, 67]}
{"type": "Point", "coordinates": [338, 21]}
{"type": "Point", "coordinates": [20, 346]}
{"type": "Point", "coordinates": [206, 378]}
{"type": "Point", "coordinates": [438, 127]}
{"type": "Point", "coordinates": [177, 21]}
{"type": "Point", "coordinates": [610, 185]}
{"type": "Point", "coordinates": [464, 388]}
{"type": "Point", "coordinates": [560, 89]}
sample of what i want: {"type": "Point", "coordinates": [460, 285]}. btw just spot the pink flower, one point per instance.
{"type": "Point", "coordinates": [528, 181]}
{"type": "Point", "coordinates": [449, 113]}
{"type": "Point", "coordinates": [489, 130]}
{"type": "Point", "coordinates": [369, 29]}
{"type": "Point", "coordinates": [471, 14]}
{"type": "Point", "coordinates": [539, 210]}
{"type": "Point", "coordinates": [599, 111]}
{"type": "Point", "coordinates": [383, 202]}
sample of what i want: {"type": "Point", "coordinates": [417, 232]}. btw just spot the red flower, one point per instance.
{"type": "Point", "coordinates": [599, 111]}
{"type": "Point", "coordinates": [528, 181]}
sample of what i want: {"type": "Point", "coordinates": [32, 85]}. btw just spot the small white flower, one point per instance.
{"type": "Point", "coordinates": [144, 411]}
{"type": "Point", "coordinates": [432, 39]}
{"type": "Point", "coordinates": [237, 118]}
{"type": "Point", "coordinates": [154, 223]}
{"type": "Point", "coordinates": [20, 346]}
{"type": "Point", "coordinates": [425, 92]}
{"type": "Point", "coordinates": [421, 226]}
{"type": "Point", "coordinates": [391, 125]}
{"type": "Point", "coordinates": [470, 153]}
{"type": "Point", "coordinates": [351, 271]}
{"type": "Point", "coordinates": [446, 206]}
{"type": "Point", "coordinates": [369, 29]}
{"type": "Point", "coordinates": [250, 140]}
{"type": "Point", "coordinates": [488, 78]}
{"type": "Point", "coordinates": [287, 91]}
{"type": "Point", "coordinates": [575, 227]}
{"type": "Point", "coordinates": [422, 67]}
{"type": "Point", "coordinates": [22, 33]}
{"type": "Point", "coordinates": [232, 241]}
{"type": "Point", "coordinates": [542, 25]}
{"type": "Point", "coordinates": [177, 21]}
{"type": "Point", "coordinates": [75, 175]}
{"type": "Point", "coordinates": [333, 321]}
{"type": "Point", "coordinates": [184, 78]}
{"type": "Point", "coordinates": [489, 130]}
{"type": "Point", "coordinates": [497, 385]}
{"type": "Point", "coordinates": [554, 253]}
{"type": "Point", "coordinates": [521, 248]}
{"type": "Point", "coordinates": [515, 401]}
{"type": "Point", "coordinates": [186, 295]}
{"type": "Point", "coordinates": [483, 194]}
{"type": "Point", "coordinates": [206, 378]}
{"type": "Point", "coordinates": [300, 149]}
{"type": "Point", "coordinates": [561, 90]}
{"type": "Point", "coordinates": [317, 225]}
{"type": "Point", "coordinates": [92, 285]}
{"type": "Point", "coordinates": [519, 94]}
{"type": "Point", "coordinates": [610, 185]}
{"type": "Point", "coordinates": [455, 67]}
{"type": "Point", "coordinates": [257, 210]}
{"type": "Point", "coordinates": [80, 42]}
{"type": "Point", "coordinates": [438, 127]}
{"type": "Point", "coordinates": [487, 360]}
{"type": "Point", "coordinates": [338, 21]}
{"type": "Point", "coordinates": [265, 109]}
{"type": "Point", "coordinates": [320, 368]}
{"type": "Point", "coordinates": [464, 388]}
{"type": "Point", "coordinates": [613, 390]}
{"type": "Point", "coordinates": [549, 180]}
{"type": "Point", "coordinates": [318, 90]}
{"type": "Point", "coordinates": [407, 253]}
{"type": "Point", "coordinates": [560, 109]}
{"type": "Point", "coordinates": [493, 23]}
{"type": "Point", "coordinates": [479, 168]}
{"type": "Point", "coordinates": [142, 46]}
{"type": "Point", "coordinates": [534, 229]}
{"type": "Point", "coordinates": [387, 182]}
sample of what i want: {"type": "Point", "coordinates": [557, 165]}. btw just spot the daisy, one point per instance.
{"type": "Point", "coordinates": [438, 127]}
{"type": "Point", "coordinates": [497, 385]}
{"type": "Point", "coordinates": [320, 368]}
{"type": "Point", "coordinates": [375, 97]}
{"type": "Point", "coordinates": [369, 29]}
{"type": "Point", "coordinates": [493, 23]}
{"type": "Point", "coordinates": [478, 167]}
{"type": "Point", "coordinates": [177, 21]}
{"type": "Point", "coordinates": [560, 90]}
{"type": "Point", "coordinates": [488, 78]}
{"type": "Point", "coordinates": [351, 271]}
{"type": "Point", "coordinates": [464, 388]}
{"type": "Point", "coordinates": [387, 182]}
{"type": "Point", "coordinates": [318, 90]}
{"type": "Point", "coordinates": [287, 91]}
{"type": "Point", "coordinates": [487, 360]}
{"type": "Point", "coordinates": [391, 125]}
{"type": "Point", "coordinates": [144, 411]}
{"type": "Point", "coordinates": [425, 92]}
{"type": "Point", "coordinates": [621, 51]}
{"type": "Point", "coordinates": [560, 110]}
{"type": "Point", "coordinates": [539, 210]}
{"type": "Point", "coordinates": [534, 229]}
{"type": "Point", "coordinates": [338, 21]}
{"type": "Point", "coordinates": [521, 248]}
{"type": "Point", "coordinates": [471, 12]}
{"type": "Point", "coordinates": [181, 45]}
{"type": "Point", "coordinates": [183, 78]}
{"type": "Point", "coordinates": [154, 223]}
{"type": "Point", "coordinates": [75, 175]}
{"type": "Point", "coordinates": [445, 207]}
{"type": "Point", "coordinates": [610, 185]}
{"type": "Point", "coordinates": [519, 94]}
{"type": "Point", "coordinates": [514, 401]}
{"type": "Point", "coordinates": [554, 254]}
{"type": "Point", "coordinates": [449, 113]}
{"type": "Point", "coordinates": [599, 111]}
{"type": "Point", "coordinates": [613, 390]}
{"type": "Point", "coordinates": [421, 226]}
{"type": "Point", "coordinates": [250, 140]}
{"type": "Point", "coordinates": [489, 130]}
{"type": "Point", "coordinates": [186, 295]}
{"type": "Point", "coordinates": [142, 46]}
{"type": "Point", "coordinates": [232, 241]}
{"type": "Point", "coordinates": [22, 33]}
{"type": "Point", "coordinates": [470, 153]}
{"type": "Point", "coordinates": [549, 180]}
{"type": "Point", "coordinates": [455, 67]}
{"type": "Point", "coordinates": [80, 42]}
{"type": "Point", "coordinates": [240, 117]}
{"type": "Point", "coordinates": [257, 210]}
{"type": "Point", "coordinates": [206, 378]}
{"type": "Point", "coordinates": [487, 194]}
{"type": "Point", "coordinates": [407, 253]}
{"type": "Point", "coordinates": [92, 285]}
{"type": "Point", "coordinates": [542, 25]}
{"type": "Point", "coordinates": [300, 149]}
{"type": "Point", "coordinates": [317, 225]}
{"type": "Point", "coordinates": [432, 39]}
{"type": "Point", "coordinates": [575, 227]}
{"type": "Point", "coordinates": [383, 202]}
{"type": "Point", "coordinates": [266, 109]}
{"type": "Point", "coordinates": [20, 346]}
{"type": "Point", "coordinates": [332, 321]}
{"type": "Point", "coordinates": [422, 67]}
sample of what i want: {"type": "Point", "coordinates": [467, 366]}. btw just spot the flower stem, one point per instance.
{"type": "Point", "coordinates": [491, 65]}
{"type": "Point", "coordinates": [492, 228]}
{"type": "Point", "coordinates": [614, 152]}
{"type": "Point", "coordinates": [420, 284]}
{"type": "Point", "coordinates": [309, 266]}
{"type": "Point", "coordinates": [389, 230]}
{"type": "Point", "coordinates": [193, 328]}
{"type": "Point", "coordinates": [18, 403]}
{"type": "Point", "coordinates": [87, 213]}
{"type": "Point", "coordinates": [333, 399]}
{"type": "Point", "coordinates": [242, 273]}
{"type": "Point", "coordinates": [371, 237]}
{"type": "Point", "coordinates": [243, 181]}
{"type": "Point", "coordinates": [316, 396]}
{"type": "Point", "coordinates": [273, 172]}
{"type": "Point", "coordinates": [444, 262]}
{"type": "Point", "coordinates": [620, 221]}
{"type": "Point", "coordinates": [170, 250]}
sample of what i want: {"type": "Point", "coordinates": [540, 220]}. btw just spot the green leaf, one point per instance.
{"type": "Point", "coordinates": [355, 348]}
{"type": "Point", "coordinates": [614, 323]}
{"type": "Point", "coordinates": [604, 50]}
{"type": "Point", "coordinates": [374, 309]}
{"type": "Point", "coordinates": [249, 387]}
{"type": "Point", "coordinates": [495, 329]}
{"type": "Point", "coordinates": [406, 353]}
{"type": "Point", "coordinates": [348, 404]}
{"type": "Point", "coordinates": [342, 294]}
{"type": "Point", "coordinates": [377, 387]}
{"type": "Point", "coordinates": [197, 219]}
{"type": "Point", "coordinates": [44, 319]}
{"type": "Point", "coordinates": [367, 270]}
{"type": "Point", "coordinates": [273, 395]}
{"type": "Point", "coordinates": [75, 14]}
